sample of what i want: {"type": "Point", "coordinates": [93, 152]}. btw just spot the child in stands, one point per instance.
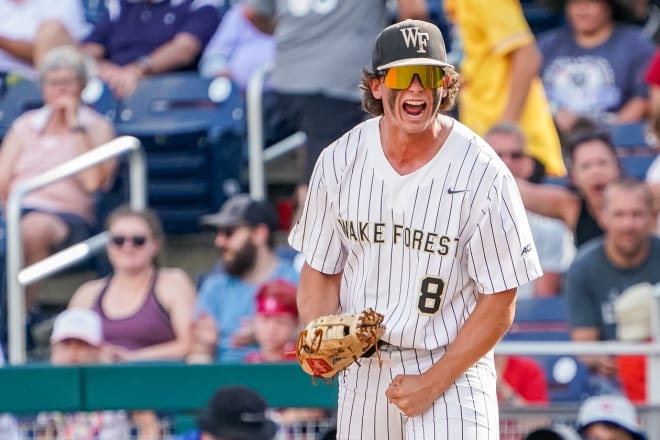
{"type": "Point", "coordinates": [276, 323]}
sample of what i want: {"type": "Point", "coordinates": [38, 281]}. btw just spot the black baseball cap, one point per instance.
{"type": "Point", "coordinates": [409, 43]}
{"type": "Point", "coordinates": [237, 413]}
{"type": "Point", "coordinates": [241, 210]}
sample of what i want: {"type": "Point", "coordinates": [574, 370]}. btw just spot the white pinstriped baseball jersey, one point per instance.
{"type": "Point", "coordinates": [417, 248]}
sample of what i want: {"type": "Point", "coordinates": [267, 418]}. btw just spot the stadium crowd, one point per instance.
{"type": "Point", "coordinates": [549, 101]}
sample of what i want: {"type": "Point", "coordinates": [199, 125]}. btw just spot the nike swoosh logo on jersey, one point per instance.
{"type": "Point", "coordinates": [456, 191]}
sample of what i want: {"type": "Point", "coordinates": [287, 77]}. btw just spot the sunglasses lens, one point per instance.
{"type": "Point", "coordinates": [118, 240]}
{"type": "Point", "coordinates": [139, 240]}
{"type": "Point", "coordinates": [400, 78]}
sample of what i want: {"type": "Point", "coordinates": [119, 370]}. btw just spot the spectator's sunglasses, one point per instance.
{"type": "Point", "coordinates": [400, 78]}
{"type": "Point", "coordinates": [137, 240]}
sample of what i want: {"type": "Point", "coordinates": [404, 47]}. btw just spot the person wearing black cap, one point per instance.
{"type": "Point", "coordinates": [234, 413]}
{"type": "Point", "coordinates": [414, 215]}
{"type": "Point", "coordinates": [245, 231]}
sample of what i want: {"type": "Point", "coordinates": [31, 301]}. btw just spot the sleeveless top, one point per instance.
{"type": "Point", "coordinates": [587, 227]}
{"type": "Point", "coordinates": [150, 325]}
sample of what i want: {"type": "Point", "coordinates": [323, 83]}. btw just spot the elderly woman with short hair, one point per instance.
{"type": "Point", "coordinates": [64, 128]}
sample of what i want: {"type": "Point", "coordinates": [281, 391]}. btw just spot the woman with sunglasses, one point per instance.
{"type": "Point", "coordinates": [593, 164]}
{"type": "Point", "coordinates": [146, 310]}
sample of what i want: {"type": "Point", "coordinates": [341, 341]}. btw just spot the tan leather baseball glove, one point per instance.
{"type": "Point", "coordinates": [329, 344]}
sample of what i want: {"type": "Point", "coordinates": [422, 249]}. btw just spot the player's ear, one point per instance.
{"type": "Point", "coordinates": [374, 85]}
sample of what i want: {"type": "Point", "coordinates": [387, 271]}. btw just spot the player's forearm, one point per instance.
{"type": "Point", "coordinates": [318, 294]}
{"type": "Point", "coordinates": [489, 321]}
{"type": "Point", "coordinates": [525, 64]}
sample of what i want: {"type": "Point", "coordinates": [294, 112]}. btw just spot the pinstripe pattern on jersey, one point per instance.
{"type": "Point", "coordinates": [458, 220]}
{"type": "Point", "coordinates": [468, 410]}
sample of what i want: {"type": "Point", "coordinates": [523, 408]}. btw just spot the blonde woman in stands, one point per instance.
{"type": "Point", "coordinates": [145, 310]}
{"type": "Point", "coordinates": [61, 213]}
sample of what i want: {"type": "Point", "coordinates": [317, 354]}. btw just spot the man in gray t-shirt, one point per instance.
{"type": "Point", "coordinates": [627, 254]}
{"type": "Point", "coordinates": [321, 48]}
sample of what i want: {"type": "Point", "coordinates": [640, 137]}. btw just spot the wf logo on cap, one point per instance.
{"type": "Point", "coordinates": [412, 36]}
{"type": "Point", "coordinates": [409, 43]}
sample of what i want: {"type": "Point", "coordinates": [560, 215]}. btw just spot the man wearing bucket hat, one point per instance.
{"type": "Point", "coordinates": [234, 413]}
{"type": "Point", "coordinates": [413, 215]}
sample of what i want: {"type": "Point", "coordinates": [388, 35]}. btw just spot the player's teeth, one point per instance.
{"type": "Point", "coordinates": [415, 102]}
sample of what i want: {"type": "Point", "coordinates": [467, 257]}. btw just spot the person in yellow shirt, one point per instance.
{"type": "Point", "coordinates": [500, 70]}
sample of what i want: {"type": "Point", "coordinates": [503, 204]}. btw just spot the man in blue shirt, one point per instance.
{"type": "Point", "coordinates": [136, 38]}
{"type": "Point", "coordinates": [245, 231]}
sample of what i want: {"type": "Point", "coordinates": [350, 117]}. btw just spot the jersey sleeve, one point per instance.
{"type": "Point", "coordinates": [501, 252]}
{"type": "Point", "coordinates": [315, 234]}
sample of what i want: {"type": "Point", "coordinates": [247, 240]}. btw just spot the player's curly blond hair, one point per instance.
{"type": "Point", "coordinates": [375, 106]}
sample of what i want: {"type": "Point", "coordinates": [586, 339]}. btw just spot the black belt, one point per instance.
{"type": "Point", "coordinates": [380, 344]}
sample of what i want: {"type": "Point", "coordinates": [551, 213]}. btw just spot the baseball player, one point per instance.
{"type": "Point", "coordinates": [414, 215]}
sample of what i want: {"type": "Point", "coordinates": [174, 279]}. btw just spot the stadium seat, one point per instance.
{"type": "Point", "coordinates": [546, 319]}
{"type": "Point", "coordinates": [540, 319]}
{"type": "Point", "coordinates": [23, 96]}
{"type": "Point", "coordinates": [630, 136]}
{"type": "Point", "coordinates": [568, 378]}
{"type": "Point", "coordinates": [193, 132]}
{"type": "Point", "coordinates": [636, 166]}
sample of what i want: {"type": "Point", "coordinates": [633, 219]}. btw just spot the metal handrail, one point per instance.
{"type": "Point", "coordinates": [258, 154]}
{"type": "Point", "coordinates": [17, 276]}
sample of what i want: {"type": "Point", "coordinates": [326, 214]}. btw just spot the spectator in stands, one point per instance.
{"type": "Point", "coordinates": [245, 233]}
{"type": "Point", "coordinates": [137, 38]}
{"type": "Point", "coordinates": [552, 237]}
{"type": "Point", "coordinates": [276, 323]}
{"type": "Point", "coordinates": [593, 164]}
{"type": "Point", "coordinates": [594, 66]}
{"type": "Point", "coordinates": [320, 48]}
{"type": "Point", "coordinates": [145, 310]}
{"type": "Point", "coordinates": [511, 90]}
{"type": "Point", "coordinates": [234, 413]}
{"type": "Point", "coordinates": [276, 328]}
{"type": "Point", "coordinates": [30, 29]}
{"type": "Point", "coordinates": [653, 179]}
{"type": "Point", "coordinates": [626, 255]}
{"type": "Point", "coordinates": [61, 213]}
{"type": "Point", "coordinates": [237, 49]}
{"type": "Point", "coordinates": [653, 173]}
{"type": "Point", "coordinates": [609, 417]}
{"type": "Point", "coordinates": [77, 339]}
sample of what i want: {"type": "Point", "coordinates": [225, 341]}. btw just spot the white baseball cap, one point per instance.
{"type": "Point", "coordinates": [83, 324]}
{"type": "Point", "coordinates": [613, 409]}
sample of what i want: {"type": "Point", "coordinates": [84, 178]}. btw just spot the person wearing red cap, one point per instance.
{"type": "Point", "coordinates": [276, 323]}
{"type": "Point", "coordinates": [276, 326]}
